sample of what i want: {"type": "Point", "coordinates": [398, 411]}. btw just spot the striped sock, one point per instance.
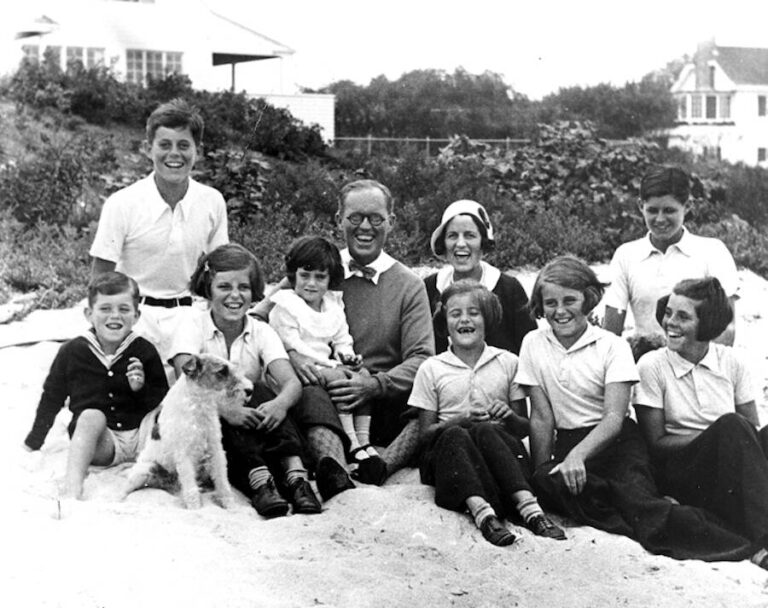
{"type": "Point", "coordinates": [258, 477]}
{"type": "Point", "coordinates": [479, 509]}
{"type": "Point", "coordinates": [527, 505]}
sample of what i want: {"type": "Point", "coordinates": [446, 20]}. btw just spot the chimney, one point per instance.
{"type": "Point", "coordinates": [705, 51]}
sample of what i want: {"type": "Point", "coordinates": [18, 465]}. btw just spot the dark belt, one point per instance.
{"type": "Point", "coordinates": [167, 303]}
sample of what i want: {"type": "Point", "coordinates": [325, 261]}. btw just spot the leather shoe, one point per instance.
{"type": "Point", "coordinates": [267, 500]}
{"type": "Point", "coordinates": [331, 478]}
{"type": "Point", "coordinates": [303, 498]}
{"type": "Point", "coordinates": [541, 525]}
{"type": "Point", "coordinates": [372, 470]}
{"type": "Point", "coordinates": [495, 532]}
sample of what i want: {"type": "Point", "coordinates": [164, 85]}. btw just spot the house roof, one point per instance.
{"type": "Point", "coordinates": [743, 65]}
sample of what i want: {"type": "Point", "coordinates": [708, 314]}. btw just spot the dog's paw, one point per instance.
{"type": "Point", "coordinates": [226, 500]}
{"type": "Point", "coordinates": [192, 501]}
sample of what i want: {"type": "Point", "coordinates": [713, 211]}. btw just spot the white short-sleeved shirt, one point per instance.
{"type": "Point", "coordinates": [692, 395]}
{"type": "Point", "coordinates": [444, 383]}
{"type": "Point", "coordinates": [252, 351]}
{"type": "Point", "coordinates": [641, 274]}
{"type": "Point", "coordinates": [574, 379]}
{"type": "Point", "coordinates": [156, 245]}
{"type": "Point", "coordinates": [319, 334]}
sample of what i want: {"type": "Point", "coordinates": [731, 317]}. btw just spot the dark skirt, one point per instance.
{"type": "Point", "coordinates": [475, 459]}
{"type": "Point", "coordinates": [723, 470]}
{"type": "Point", "coordinates": [621, 497]}
{"type": "Point", "coordinates": [247, 449]}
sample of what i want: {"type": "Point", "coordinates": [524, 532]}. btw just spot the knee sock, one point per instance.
{"type": "Point", "coordinates": [324, 442]}
{"type": "Point", "coordinates": [527, 505]}
{"type": "Point", "coordinates": [363, 431]}
{"type": "Point", "coordinates": [479, 509]}
{"type": "Point", "coordinates": [258, 477]}
{"type": "Point", "coordinates": [294, 469]}
{"type": "Point", "coordinates": [402, 449]}
{"type": "Point", "coordinates": [348, 424]}
{"type": "Point", "coordinates": [760, 559]}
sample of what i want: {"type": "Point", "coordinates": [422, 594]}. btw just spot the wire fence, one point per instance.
{"type": "Point", "coordinates": [430, 145]}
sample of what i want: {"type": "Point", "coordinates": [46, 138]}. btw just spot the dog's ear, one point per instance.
{"type": "Point", "coordinates": [192, 367]}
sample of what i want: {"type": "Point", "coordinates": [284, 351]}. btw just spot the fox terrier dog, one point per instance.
{"type": "Point", "coordinates": [185, 444]}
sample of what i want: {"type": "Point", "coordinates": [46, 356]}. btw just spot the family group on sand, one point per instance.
{"type": "Point", "coordinates": [360, 368]}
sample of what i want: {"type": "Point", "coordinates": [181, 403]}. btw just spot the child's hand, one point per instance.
{"type": "Point", "coordinates": [135, 374]}
{"type": "Point", "coordinates": [354, 362]}
{"type": "Point", "coordinates": [239, 415]}
{"type": "Point", "coordinates": [574, 473]}
{"type": "Point", "coordinates": [272, 415]}
{"type": "Point", "coordinates": [499, 410]}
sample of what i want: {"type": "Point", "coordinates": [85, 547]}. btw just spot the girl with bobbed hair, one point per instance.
{"type": "Point", "coordinates": [696, 408]}
{"type": "Point", "coordinates": [590, 460]}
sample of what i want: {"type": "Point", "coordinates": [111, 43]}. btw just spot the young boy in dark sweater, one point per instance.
{"type": "Point", "coordinates": [113, 379]}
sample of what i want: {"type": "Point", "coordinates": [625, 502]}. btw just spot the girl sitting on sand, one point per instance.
{"type": "Point", "coordinates": [696, 408]}
{"type": "Point", "coordinates": [472, 417]}
{"type": "Point", "coordinates": [257, 438]}
{"type": "Point", "coordinates": [590, 460]}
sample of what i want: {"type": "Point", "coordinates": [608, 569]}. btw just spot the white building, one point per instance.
{"type": "Point", "coordinates": [721, 95]}
{"type": "Point", "coordinates": [140, 39]}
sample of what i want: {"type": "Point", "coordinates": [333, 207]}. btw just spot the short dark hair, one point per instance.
{"type": "Point", "coordinates": [487, 302]}
{"type": "Point", "coordinates": [365, 184]}
{"type": "Point", "coordinates": [711, 304]}
{"type": "Point", "coordinates": [315, 253]}
{"type": "Point", "coordinates": [111, 283]}
{"type": "Point", "coordinates": [570, 272]}
{"type": "Point", "coordinates": [224, 259]}
{"type": "Point", "coordinates": [176, 114]}
{"type": "Point", "coordinates": [663, 181]}
{"type": "Point", "coordinates": [485, 244]}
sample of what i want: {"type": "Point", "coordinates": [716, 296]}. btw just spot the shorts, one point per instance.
{"type": "Point", "coordinates": [128, 444]}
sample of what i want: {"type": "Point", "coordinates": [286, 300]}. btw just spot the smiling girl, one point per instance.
{"type": "Point", "coordinates": [695, 404]}
{"type": "Point", "coordinates": [257, 438]}
{"type": "Point", "coordinates": [472, 417]}
{"type": "Point", "coordinates": [589, 457]}
{"type": "Point", "coordinates": [644, 270]}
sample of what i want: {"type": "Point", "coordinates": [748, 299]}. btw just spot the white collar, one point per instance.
{"type": "Point", "coordinates": [381, 264]}
{"type": "Point", "coordinates": [489, 278]}
{"type": "Point", "coordinates": [107, 361]}
{"type": "Point", "coordinates": [590, 335]}
{"type": "Point", "coordinates": [681, 366]}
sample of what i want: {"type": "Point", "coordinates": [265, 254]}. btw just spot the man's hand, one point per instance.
{"type": "Point", "coordinates": [499, 410]}
{"type": "Point", "coordinates": [307, 368]}
{"type": "Point", "coordinates": [353, 391]}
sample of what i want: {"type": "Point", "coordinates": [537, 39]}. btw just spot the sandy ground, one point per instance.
{"type": "Point", "coordinates": [388, 546]}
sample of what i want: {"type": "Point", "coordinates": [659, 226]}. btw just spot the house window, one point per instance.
{"type": "Point", "coordinates": [695, 106]}
{"type": "Point", "coordinates": [761, 155]}
{"type": "Point", "coordinates": [31, 53]}
{"type": "Point", "coordinates": [75, 53]}
{"type": "Point", "coordinates": [95, 56]}
{"type": "Point", "coordinates": [725, 106]}
{"type": "Point", "coordinates": [711, 77]}
{"type": "Point", "coordinates": [141, 65]}
{"type": "Point", "coordinates": [761, 105]}
{"type": "Point", "coordinates": [711, 106]}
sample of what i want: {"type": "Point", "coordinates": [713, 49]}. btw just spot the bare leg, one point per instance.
{"type": "Point", "coordinates": [324, 442]}
{"type": "Point", "coordinates": [91, 444]}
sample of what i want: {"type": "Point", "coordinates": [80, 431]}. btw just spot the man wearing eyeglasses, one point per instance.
{"type": "Point", "coordinates": [389, 319]}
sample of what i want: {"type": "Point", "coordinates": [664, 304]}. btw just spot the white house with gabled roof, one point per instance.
{"type": "Point", "coordinates": [722, 109]}
{"type": "Point", "coordinates": [142, 39]}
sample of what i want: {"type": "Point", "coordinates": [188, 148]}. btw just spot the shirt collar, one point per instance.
{"type": "Point", "coordinates": [159, 206]}
{"type": "Point", "coordinates": [381, 264]}
{"type": "Point", "coordinates": [592, 334]}
{"type": "Point", "coordinates": [93, 344]}
{"type": "Point", "coordinates": [450, 358]}
{"type": "Point", "coordinates": [211, 332]}
{"type": "Point", "coordinates": [681, 366]}
{"type": "Point", "coordinates": [683, 245]}
{"type": "Point", "coordinates": [489, 278]}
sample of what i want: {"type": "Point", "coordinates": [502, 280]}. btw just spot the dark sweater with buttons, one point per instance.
{"type": "Point", "coordinates": [78, 373]}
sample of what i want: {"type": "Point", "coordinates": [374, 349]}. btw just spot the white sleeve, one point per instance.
{"type": "Point", "coordinates": [650, 390]}
{"type": "Point", "coordinates": [424, 394]}
{"type": "Point", "coordinates": [617, 293]}
{"type": "Point", "coordinates": [722, 266]}
{"type": "Point", "coordinates": [110, 233]}
{"type": "Point", "coordinates": [528, 373]}
{"type": "Point", "coordinates": [220, 232]}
